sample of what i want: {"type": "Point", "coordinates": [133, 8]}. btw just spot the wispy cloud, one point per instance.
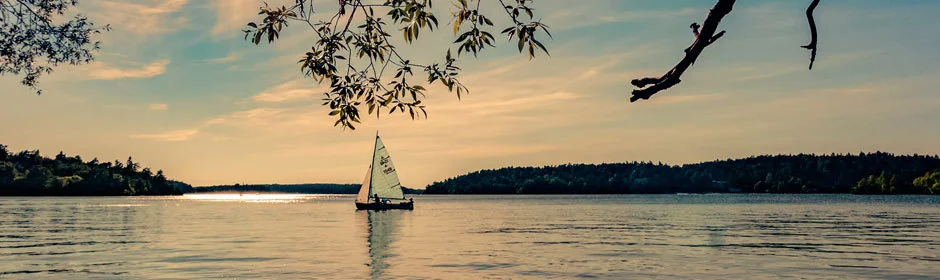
{"type": "Point", "coordinates": [490, 150]}
{"type": "Point", "coordinates": [231, 57]}
{"type": "Point", "coordinates": [851, 101]}
{"type": "Point", "coordinates": [258, 116]}
{"type": "Point", "coordinates": [159, 107]}
{"type": "Point", "coordinates": [579, 16]}
{"type": "Point", "coordinates": [684, 98]}
{"type": "Point", "coordinates": [252, 120]}
{"type": "Point", "coordinates": [141, 17]}
{"type": "Point", "coordinates": [232, 15]}
{"type": "Point", "coordinates": [101, 71]}
{"type": "Point", "coordinates": [301, 89]}
{"type": "Point", "coordinates": [176, 135]}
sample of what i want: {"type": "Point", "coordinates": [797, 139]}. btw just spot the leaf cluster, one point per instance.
{"type": "Point", "coordinates": [32, 43]}
{"type": "Point", "coordinates": [355, 55]}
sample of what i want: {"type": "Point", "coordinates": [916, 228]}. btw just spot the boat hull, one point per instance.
{"type": "Point", "coordinates": [409, 205]}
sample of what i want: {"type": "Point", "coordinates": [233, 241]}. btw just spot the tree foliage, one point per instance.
{"type": "Point", "coordinates": [354, 51]}
{"type": "Point", "coordinates": [882, 184]}
{"type": "Point", "coordinates": [33, 39]}
{"type": "Point", "coordinates": [28, 173]}
{"type": "Point", "coordinates": [873, 173]}
{"type": "Point", "coordinates": [929, 183]}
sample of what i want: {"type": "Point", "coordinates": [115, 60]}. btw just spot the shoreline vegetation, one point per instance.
{"type": "Point", "coordinates": [864, 173]}
{"type": "Point", "coordinates": [27, 173]}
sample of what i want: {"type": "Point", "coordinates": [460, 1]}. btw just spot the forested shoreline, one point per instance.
{"type": "Point", "coordinates": [27, 173]}
{"type": "Point", "coordinates": [864, 173]}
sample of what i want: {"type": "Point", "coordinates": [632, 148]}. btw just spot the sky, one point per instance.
{"type": "Point", "coordinates": [177, 87]}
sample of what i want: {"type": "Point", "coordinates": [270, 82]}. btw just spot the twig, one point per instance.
{"type": "Point", "coordinates": [812, 30]}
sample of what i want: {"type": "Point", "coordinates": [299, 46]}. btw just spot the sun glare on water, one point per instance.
{"type": "Point", "coordinates": [257, 198]}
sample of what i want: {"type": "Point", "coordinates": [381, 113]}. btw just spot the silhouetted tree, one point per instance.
{"type": "Point", "coordinates": [875, 173]}
{"type": "Point", "coordinates": [4, 153]}
{"type": "Point", "coordinates": [28, 173]}
{"type": "Point", "coordinates": [35, 37]}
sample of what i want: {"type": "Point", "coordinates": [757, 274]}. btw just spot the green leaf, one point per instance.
{"type": "Point", "coordinates": [539, 44]}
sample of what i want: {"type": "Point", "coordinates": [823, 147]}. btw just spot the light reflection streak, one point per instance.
{"type": "Point", "coordinates": [258, 197]}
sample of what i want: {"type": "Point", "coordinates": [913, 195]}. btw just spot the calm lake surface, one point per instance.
{"type": "Point", "coordinates": [472, 237]}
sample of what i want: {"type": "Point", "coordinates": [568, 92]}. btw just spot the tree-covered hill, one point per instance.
{"type": "Point", "coordinates": [27, 173]}
{"type": "Point", "coordinates": [872, 173]}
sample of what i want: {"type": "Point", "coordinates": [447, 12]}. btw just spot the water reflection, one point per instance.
{"type": "Point", "coordinates": [256, 197]}
{"type": "Point", "coordinates": [382, 228]}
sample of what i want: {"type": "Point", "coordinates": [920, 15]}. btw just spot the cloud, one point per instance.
{"type": "Point", "coordinates": [290, 91]}
{"type": "Point", "coordinates": [158, 107]}
{"type": "Point", "coordinates": [231, 57]}
{"type": "Point", "coordinates": [590, 15]}
{"type": "Point", "coordinates": [101, 71]}
{"type": "Point", "coordinates": [258, 116]}
{"type": "Point", "coordinates": [251, 120]}
{"type": "Point", "coordinates": [491, 150]}
{"type": "Point", "coordinates": [149, 17]}
{"type": "Point", "coordinates": [856, 101]}
{"type": "Point", "coordinates": [749, 71]}
{"type": "Point", "coordinates": [686, 98]}
{"type": "Point", "coordinates": [172, 136]}
{"type": "Point", "coordinates": [232, 15]}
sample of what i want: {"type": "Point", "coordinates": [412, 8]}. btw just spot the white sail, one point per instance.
{"type": "Point", "coordinates": [365, 190]}
{"type": "Point", "coordinates": [384, 181]}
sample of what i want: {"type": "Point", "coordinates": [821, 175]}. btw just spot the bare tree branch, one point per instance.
{"type": "Point", "coordinates": [705, 37]}
{"type": "Point", "coordinates": [812, 30]}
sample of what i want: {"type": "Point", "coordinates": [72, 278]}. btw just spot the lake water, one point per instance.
{"type": "Point", "coordinates": [472, 237]}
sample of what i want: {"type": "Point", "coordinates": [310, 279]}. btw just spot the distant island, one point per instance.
{"type": "Point", "coordinates": [28, 174]}
{"type": "Point", "coordinates": [865, 173]}
{"type": "Point", "coordinates": [290, 188]}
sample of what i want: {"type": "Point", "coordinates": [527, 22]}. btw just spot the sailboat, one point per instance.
{"type": "Point", "coordinates": [381, 190]}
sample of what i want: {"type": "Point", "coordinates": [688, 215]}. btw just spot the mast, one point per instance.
{"type": "Point", "coordinates": [375, 143]}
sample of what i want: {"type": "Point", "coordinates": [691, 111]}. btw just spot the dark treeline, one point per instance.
{"type": "Point", "coordinates": [291, 188]}
{"type": "Point", "coordinates": [27, 173]}
{"type": "Point", "coordinates": [873, 173]}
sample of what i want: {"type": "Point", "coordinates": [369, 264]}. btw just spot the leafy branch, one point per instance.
{"type": "Point", "coordinates": [353, 50]}
{"type": "Point", "coordinates": [32, 43]}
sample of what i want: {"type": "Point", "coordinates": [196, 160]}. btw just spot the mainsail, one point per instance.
{"type": "Point", "coordinates": [381, 179]}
